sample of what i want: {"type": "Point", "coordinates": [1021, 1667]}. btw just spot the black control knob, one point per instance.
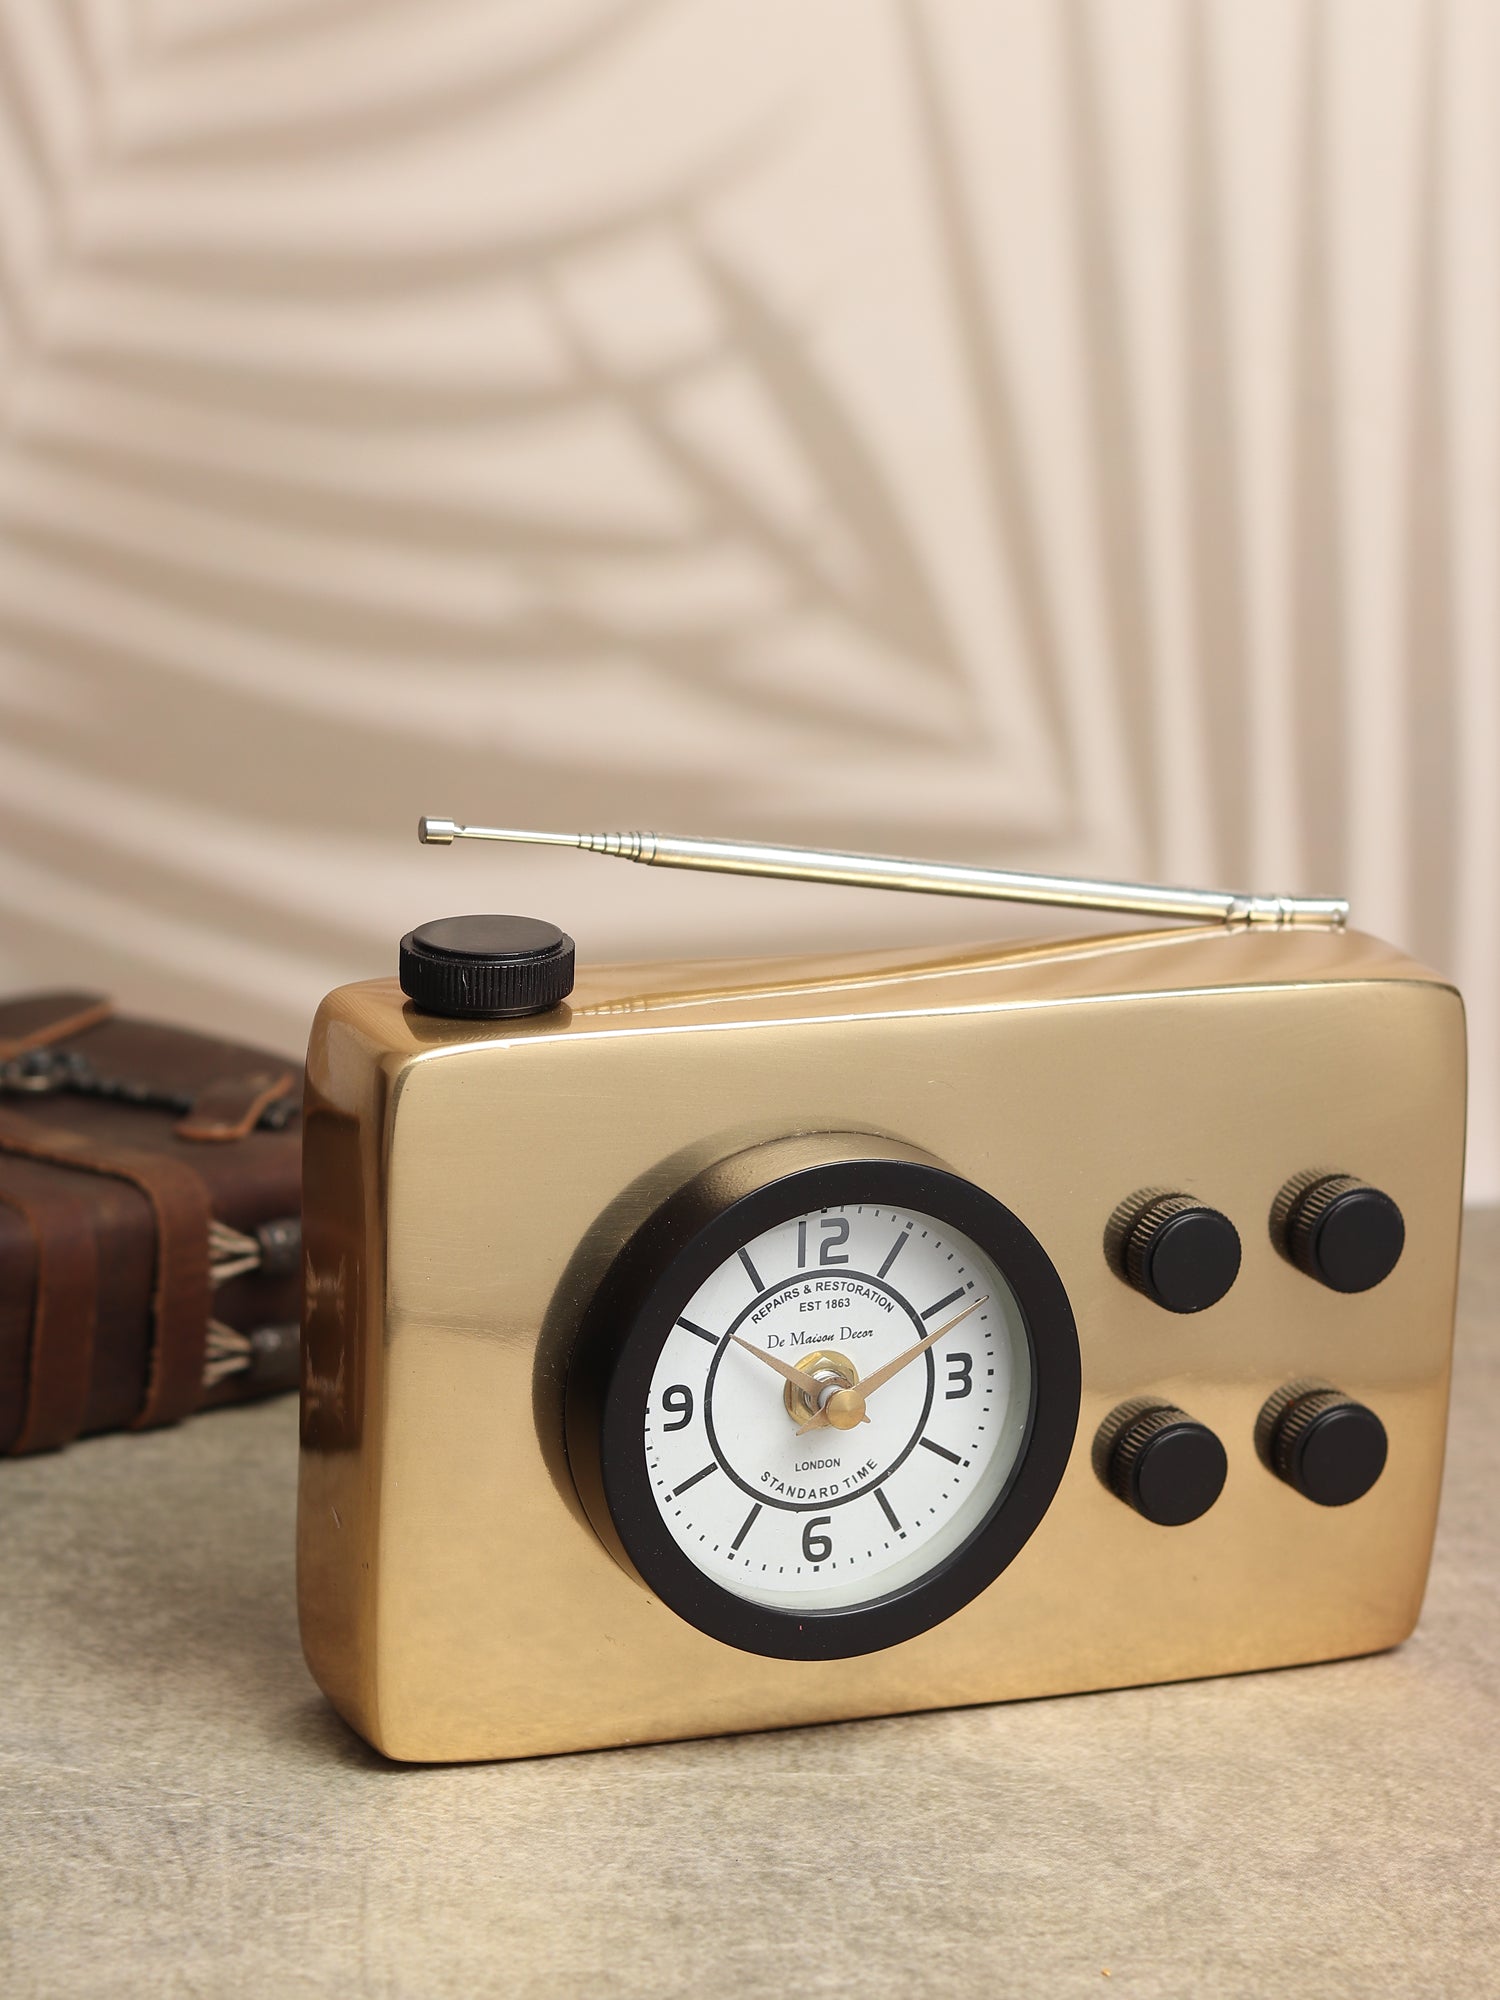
{"type": "Point", "coordinates": [486, 968]}
{"type": "Point", "coordinates": [1180, 1253]}
{"type": "Point", "coordinates": [1339, 1230]}
{"type": "Point", "coordinates": [1161, 1462]}
{"type": "Point", "coordinates": [1323, 1443]}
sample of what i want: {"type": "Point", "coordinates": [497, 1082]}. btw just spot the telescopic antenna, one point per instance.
{"type": "Point", "coordinates": [928, 878]}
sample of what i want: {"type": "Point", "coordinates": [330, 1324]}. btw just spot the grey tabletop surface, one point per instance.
{"type": "Point", "coordinates": [181, 1814]}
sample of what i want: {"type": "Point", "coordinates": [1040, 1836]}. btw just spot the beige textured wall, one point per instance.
{"type": "Point", "coordinates": [1036, 430]}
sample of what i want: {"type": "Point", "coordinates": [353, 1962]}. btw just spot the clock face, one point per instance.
{"type": "Point", "coordinates": [817, 1411]}
{"type": "Point", "coordinates": [834, 1493]}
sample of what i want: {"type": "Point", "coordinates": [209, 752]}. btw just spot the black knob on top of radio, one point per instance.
{"type": "Point", "coordinates": [1321, 1442]}
{"type": "Point", "coordinates": [486, 968]}
{"type": "Point", "coordinates": [1180, 1253]}
{"type": "Point", "coordinates": [1339, 1230]}
{"type": "Point", "coordinates": [1160, 1461]}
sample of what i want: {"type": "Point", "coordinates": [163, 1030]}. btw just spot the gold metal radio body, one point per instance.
{"type": "Point", "coordinates": [729, 1346]}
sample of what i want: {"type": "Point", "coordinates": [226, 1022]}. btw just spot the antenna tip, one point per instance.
{"type": "Point", "coordinates": [436, 832]}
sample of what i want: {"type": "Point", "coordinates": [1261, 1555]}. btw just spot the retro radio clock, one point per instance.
{"type": "Point", "coordinates": [696, 1348]}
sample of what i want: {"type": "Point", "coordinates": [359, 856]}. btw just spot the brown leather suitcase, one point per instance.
{"type": "Point", "coordinates": [150, 1244]}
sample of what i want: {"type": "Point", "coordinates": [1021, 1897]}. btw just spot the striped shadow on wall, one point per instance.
{"type": "Point", "coordinates": [1025, 430]}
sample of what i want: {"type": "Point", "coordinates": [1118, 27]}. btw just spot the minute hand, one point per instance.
{"type": "Point", "coordinates": [871, 1383]}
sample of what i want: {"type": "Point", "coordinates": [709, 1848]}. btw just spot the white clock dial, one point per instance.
{"type": "Point", "coordinates": [833, 1516]}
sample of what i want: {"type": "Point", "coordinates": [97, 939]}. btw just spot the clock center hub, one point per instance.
{"type": "Point", "coordinates": [830, 1377]}
{"type": "Point", "coordinates": [844, 1408]}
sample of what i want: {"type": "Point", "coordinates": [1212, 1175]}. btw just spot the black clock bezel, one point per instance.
{"type": "Point", "coordinates": [635, 1308]}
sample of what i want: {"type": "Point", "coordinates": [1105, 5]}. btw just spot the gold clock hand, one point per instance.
{"type": "Point", "coordinates": [883, 1375]}
{"type": "Point", "coordinates": [797, 1376]}
{"type": "Point", "coordinates": [845, 1407]}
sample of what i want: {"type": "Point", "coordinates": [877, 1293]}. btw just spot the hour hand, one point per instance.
{"type": "Point", "coordinates": [797, 1376]}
